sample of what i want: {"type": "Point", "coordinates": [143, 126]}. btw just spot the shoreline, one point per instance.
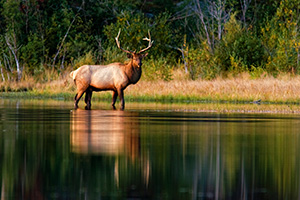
{"type": "Point", "coordinates": [103, 102]}
{"type": "Point", "coordinates": [283, 91]}
{"type": "Point", "coordinates": [168, 99]}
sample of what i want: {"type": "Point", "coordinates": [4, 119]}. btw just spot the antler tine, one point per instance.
{"type": "Point", "coordinates": [118, 43]}
{"type": "Point", "coordinates": [150, 43]}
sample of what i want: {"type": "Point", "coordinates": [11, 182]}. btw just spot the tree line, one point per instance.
{"type": "Point", "coordinates": [206, 38]}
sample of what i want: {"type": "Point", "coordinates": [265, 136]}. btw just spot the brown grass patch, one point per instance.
{"type": "Point", "coordinates": [282, 89]}
{"type": "Point", "coordinates": [285, 88]}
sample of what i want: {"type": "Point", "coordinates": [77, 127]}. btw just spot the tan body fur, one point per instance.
{"type": "Point", "coordinates": [115, 77]}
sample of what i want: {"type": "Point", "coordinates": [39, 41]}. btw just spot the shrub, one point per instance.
{"type": "Point", "coordinates": [239, 45]}
{"type": "Point", "coordinates": [32, 53]}
{"type": "Point", "coordinates": [202, 63]}
{"type": "Point", "coordinates": [281, 37]}
{"type": "Point", "coordinates": [158, 68]}
{"type": "Point", "coordinates": [237, 65]}
{"type": "Point", "coordinates": [257, 72]}
{"type": "Point", "coordinates": [87, 59]}
{"type": "Point", "coordinates": [113, 54]}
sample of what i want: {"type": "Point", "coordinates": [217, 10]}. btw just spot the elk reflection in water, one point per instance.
{"type": "Point", "coordinates": [109, 133]}
{"type": "Point", "coordinates": [104, 132]}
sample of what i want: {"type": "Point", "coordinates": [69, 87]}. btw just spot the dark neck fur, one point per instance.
{"type": "Point", "coordinates": [133, 72]}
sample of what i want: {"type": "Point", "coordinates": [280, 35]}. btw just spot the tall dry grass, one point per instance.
{"type": "Point", "coordinates": [284, 88]}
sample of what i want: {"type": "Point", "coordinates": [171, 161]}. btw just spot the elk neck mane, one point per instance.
{"type": "Point", "coordinates": [133, 72]}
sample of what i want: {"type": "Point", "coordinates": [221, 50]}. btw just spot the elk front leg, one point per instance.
{"type": "Point", "coordinates": [114, 99]}
{"type": "Point", "coordinates": [121, 96]}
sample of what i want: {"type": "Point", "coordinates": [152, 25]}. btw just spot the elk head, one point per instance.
{"type": "Point", "coordinates": [136, 57]}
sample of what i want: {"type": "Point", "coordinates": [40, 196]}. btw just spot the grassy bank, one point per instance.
{"type": "Point", "coordinates": [242, 88]}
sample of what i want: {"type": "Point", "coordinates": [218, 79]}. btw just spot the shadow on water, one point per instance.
{"type": "Point", "coordinates": [50, 152]}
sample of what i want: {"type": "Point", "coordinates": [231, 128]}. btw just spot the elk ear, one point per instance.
{"type": "Point", "coordinates": [144, 55]}
{"type": "Point", "coordinates": [129, 55]}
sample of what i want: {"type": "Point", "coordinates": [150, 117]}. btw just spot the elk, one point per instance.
{"type": "Point", "coordinates": [114, 76]}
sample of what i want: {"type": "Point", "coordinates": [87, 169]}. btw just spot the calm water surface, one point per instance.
{"type": "Point", "coordinates": [48, 151]}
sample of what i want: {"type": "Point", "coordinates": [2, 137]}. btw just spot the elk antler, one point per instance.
{"type": "Point", "coordinates": [118, 44]}
{"type": "Point", "coordinates": [149, 45]}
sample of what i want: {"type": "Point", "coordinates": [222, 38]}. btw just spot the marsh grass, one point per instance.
{"type": "Point", "coordinates": [239, 89]}
{"type": "Point", "coordinates": [242, 88]}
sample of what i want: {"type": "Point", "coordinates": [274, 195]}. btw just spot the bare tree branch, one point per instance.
{"type": "Point", "coordinates": [64, 38]}
{"type": "Point", "coordinates": [183, 53]}
{"type": "Point", "coordinates": [244, 5]}
{"type": "Point", "coordinates": [6, 62]}
{"type": "Point", "coordinates": [1, 70]}
{"type": "Point", "coordinates": [200, 14]}
{"type": "Point", "coordinates": [14, 52]}
{"type": "Point", "coordinates": [212, 16]}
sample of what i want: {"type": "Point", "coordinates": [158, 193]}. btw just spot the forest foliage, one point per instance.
{"type": "Point", "coordinates": [205, 38]}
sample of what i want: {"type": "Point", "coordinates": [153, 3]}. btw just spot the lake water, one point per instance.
{"type": "Point", "coordinates": [148, 151]}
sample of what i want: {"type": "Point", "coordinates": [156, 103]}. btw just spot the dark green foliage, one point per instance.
{"type": "Point", "coordinates": [202, 63]}
{"type": "Point", "coordinates": [157, 68]}
{"type": "Point", "coordinates": [135, 26]}
{"type": "Point", "coordinates": [261, 36]}
{"type": "Point", "coordinates": [32, 53]}
{"type": "Point", "coordinates": [239, 44]}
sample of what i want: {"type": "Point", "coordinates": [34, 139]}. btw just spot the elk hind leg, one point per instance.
{"type": "Point", "coordinates": [88, 98]}
{"type": "Point", "coordinates": [77, 98]}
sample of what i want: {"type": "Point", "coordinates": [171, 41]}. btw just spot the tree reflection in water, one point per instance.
{"type": "Point", "coordinates": [52, 153]}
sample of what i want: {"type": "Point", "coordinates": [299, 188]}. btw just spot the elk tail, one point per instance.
{"type": "Point", "coordinates": [73, 74]}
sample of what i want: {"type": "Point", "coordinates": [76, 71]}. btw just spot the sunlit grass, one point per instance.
{"type": "Point", "coordinates": [269, 89]}
{"type": "Point", "coordinates": [283, 89]}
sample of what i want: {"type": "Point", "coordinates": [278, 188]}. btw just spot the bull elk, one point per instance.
{"type": "Point", "coordinates": [114, 76]}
